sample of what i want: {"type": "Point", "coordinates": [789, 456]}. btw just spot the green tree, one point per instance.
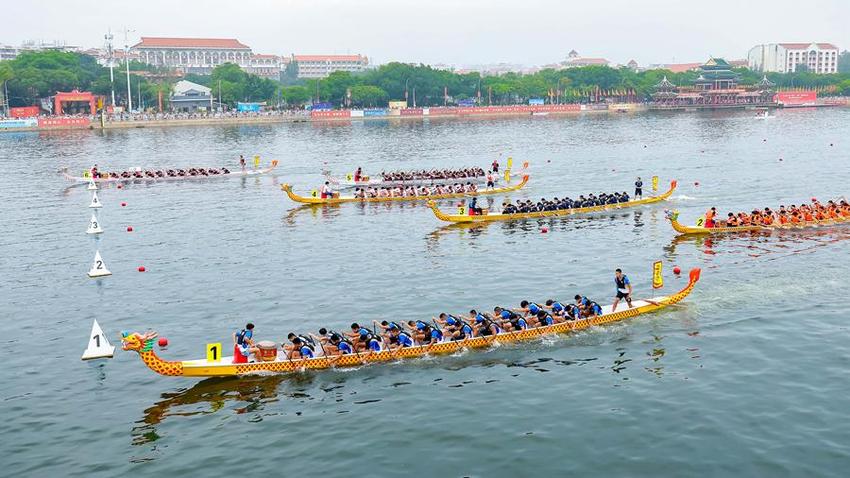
{"type": "Point", "coordinates": [295, 95]}
{"type": "Point", "coordinates": [368, 95]}
{"type": "Point", "coordinates": [844, 62]}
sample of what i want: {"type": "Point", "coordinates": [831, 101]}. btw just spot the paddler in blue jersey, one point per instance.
{"type": "Point", "coordinates": [484, 324]}
{"type": "Point", "coordinates": [337, 344]}
{"type": "Point", "coordinates": [300, 346]}
{"type": "Point", "coordinates": [457, 329]}
{"type": "Point", "coordinates": [510, 321]}
{"type": "Point", "coordinates": [587, 307]}
{"type": "Point", "coordinates": [424, 333]}
{"type": "Point", "coordinates": [624, 289]}
{"type": "Point", "coordinates": [530, 311]}
{"type": "Point", "coordinates": [399, 338]}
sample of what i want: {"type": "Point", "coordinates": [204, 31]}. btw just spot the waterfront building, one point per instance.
{"type": "Point", "coordinates": [716, 86]}
{"type": "Point", "coordinates": [193, 55]}
{"type": "Point", "coordinates": [9, 52]}
{"type": "Point", "coordinates": [574, 60]}
{"type": "Point", "coordinates": [188, 97]}
{"type": "Point", "coordinates": [267, 66]}
{"type": "Point", "coordinates": [821, 58]}
{"type": "Point", "coordinates": [320, 66]}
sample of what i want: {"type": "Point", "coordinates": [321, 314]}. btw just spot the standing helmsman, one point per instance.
{"type": "Point", "coordinates": [638, 188]}
{"type": "Point", "coordinates": [624, 289]}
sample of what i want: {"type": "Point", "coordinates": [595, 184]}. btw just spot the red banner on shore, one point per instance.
{"type": "Point", "coordinates": [796, 97]}
{"type": "Point", "coordinates": [331, 114]}
{"type": "Point", "coordinates": [63, 122]}
{"type": "Point", "coordinates": [411, 112]}
{"type": "Point", "coordinates": [24, 112]}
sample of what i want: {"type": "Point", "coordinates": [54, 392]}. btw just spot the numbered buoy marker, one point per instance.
{"type": "Point", "coordinates": [94, 226]}
{"type": "Point", "coordinates": [95, 202]}
{"type": "Point", "coordinates": [214, 352]}
{"type": "Point", "coordinates": [98, 268]}
{"type": "Point", "coordinates": [92, 185]}
{"type": "Point", "coordinates": [99, 346]}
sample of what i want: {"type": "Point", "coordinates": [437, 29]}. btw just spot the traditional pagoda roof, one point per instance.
{"type": "Point", "coordinates": [765, 83]}
{"type": "Point", "coordinates": [665, 84]}
{"type": "Point", "coordinates": [716, 64]}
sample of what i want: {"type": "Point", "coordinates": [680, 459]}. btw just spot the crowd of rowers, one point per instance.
{"type": "Point", "coordinates": [170, 173]}
{"type": "Point", "coordinates": [566, 203]}
{"type": "Point", "coordinates": [427, 174]}
{"type": "Point", "coordinates": [390, 335]}
{"type": "Point", "coordinates": [412, 191]}
{"type": "Point", "coordinates": [805, 213]}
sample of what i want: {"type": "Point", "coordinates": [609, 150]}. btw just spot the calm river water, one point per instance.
{"type": "Point", "coordinates": [748, 378]}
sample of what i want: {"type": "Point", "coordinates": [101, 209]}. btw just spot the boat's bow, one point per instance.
{"type": "Point", "coordinates": [143, 344]}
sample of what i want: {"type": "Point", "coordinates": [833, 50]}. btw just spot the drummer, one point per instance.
{"type": "Point", "coordinates": [243, 345]}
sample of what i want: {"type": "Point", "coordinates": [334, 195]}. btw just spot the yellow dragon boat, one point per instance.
{"type": "Point", "coordinates": [683, 229]}
{"type": "Point", "coordinates": [315, 199]}
{"type": "Point", "coordinates": [144, 344]}
{"type": "Point", "coordinates": [466, 218]}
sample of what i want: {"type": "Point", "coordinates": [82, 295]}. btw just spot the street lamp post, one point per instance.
{"type": "Point", "coordinates": [127, 63]}
{"type": "Point", "coordinates": [108, 37]}
{"type": "Point", "coordinates": [405, 91]}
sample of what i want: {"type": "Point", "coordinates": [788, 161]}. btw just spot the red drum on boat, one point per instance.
{"type": "Point", "coordinates": [268, 350]}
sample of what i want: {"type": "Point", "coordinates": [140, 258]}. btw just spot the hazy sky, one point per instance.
{"type": "Point", "coordinates": [530, 32]}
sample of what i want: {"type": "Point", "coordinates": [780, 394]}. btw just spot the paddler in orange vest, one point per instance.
{"type": "Point", "coordinates": [731, 220]}
{"type": "Point", "coordinates": [709, 217]}
{"type": "Point", "coordinates": [767, 217]}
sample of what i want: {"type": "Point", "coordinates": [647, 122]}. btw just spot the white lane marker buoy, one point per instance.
{"type": "Point", "coordinates": [94, 226]}
{"type": "Point", "coordinates": [92, 185]}
{"type": "Point", "coordinates": [95, 202]}
{"type": "Point", "coordinates": [99, 346]}
{"type": "Point", "coordinates": [98, 268]}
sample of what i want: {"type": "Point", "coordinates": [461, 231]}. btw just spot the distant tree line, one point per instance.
{"type": "Point", "coordinates": [35, 75]}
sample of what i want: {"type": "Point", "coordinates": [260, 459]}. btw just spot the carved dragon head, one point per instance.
{"type": "Point", "coordinates": [138, 342]}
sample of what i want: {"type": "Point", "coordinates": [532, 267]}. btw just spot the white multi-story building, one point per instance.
{"type": "Point", "coordinates": [320, 66]}
{"type": "Point", "coordinates": [193, 55]}
{"type": "Point", "coordinates": [819, 58]}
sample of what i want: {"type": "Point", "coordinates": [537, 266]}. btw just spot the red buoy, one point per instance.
{"type": "Point", "coordinates": [123, 204]}
{"type": "Point", "coordinates": [544, 230]}
{"type": "Point", "coordinates": [696, 183]}
{"type": "Point", "coordinates": [676, 270]}
{"type": "Point", "coordinates": [129, 228]}
{"type": "Point", "coordinates": [120, 186]}
{"type": "Point", "coordinates": [142, 268]}
{"type": "Point", "coordinates": [163, 342]}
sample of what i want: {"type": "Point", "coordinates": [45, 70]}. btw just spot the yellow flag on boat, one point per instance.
{"type": "Point", "coordinates": [256, 162]}
{"type": "Point", "coordinates": [507, 175]}
{"type": "Point", "coordinates": [700, 221]}
{"type": "Point", "coordinates": [657, 278]}
{"type": "Point", "coordinates": [461, 211]}
{"type": "Point", "coordinates": [349, 177]}
{"type": "Point", "coordinates": [655, 183]}
{"type": "Point", "coordinates": [214, 352]}
{"type": "Point", "coordinates": [510, 162]}
{"type": "Point", "coordinates": [314, 193]}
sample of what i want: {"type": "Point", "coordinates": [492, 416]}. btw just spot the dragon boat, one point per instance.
{"type": "Point", "coordinates": [162, 175]}
{"type": "Point", "coordinates": [314, 198]}
{"type": "Point", "coordinates": [683, 229]}
{"type": "Point", "coordinates": [224, 366]}
{"type": "Point", "coordinates": [464, 217]}
{"type": "Point", "coordinates": [380, 181]}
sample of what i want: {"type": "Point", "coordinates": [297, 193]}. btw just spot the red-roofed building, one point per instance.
{"type": "Point", "coordinates": [320, 66]}
{"type": "Point", "coordinates": [193, 55]}
{"type": "Point", "coordinates": [786, 57]}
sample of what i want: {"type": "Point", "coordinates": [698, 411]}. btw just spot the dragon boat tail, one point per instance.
{"type": "Point", "coordinates": [144, 344]}
{"type": "Point", "coordinates": [466, 218]}
{"type": "Point", "coordinates": [314, 198]}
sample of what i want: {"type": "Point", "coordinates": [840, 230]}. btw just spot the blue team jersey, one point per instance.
{"type": "Point", "coordinates": [506, 314]}
{"type": "Point", "coordinates": [522, 324]}
{"type": "Point", "coordinates": [404, 340]}
{"type": "Point", "coordinates": [374, 345]}
{"type": "Point", "coordinates": [436, 335]}
{"type": "Point", "coordinates": [306, 352]}
{"type": "Point", "coordinates": [344, 348]}
{"type": "Point", "coordinates": [533, 308]}
{"type": "Point", "coordinates": [558, 307]}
